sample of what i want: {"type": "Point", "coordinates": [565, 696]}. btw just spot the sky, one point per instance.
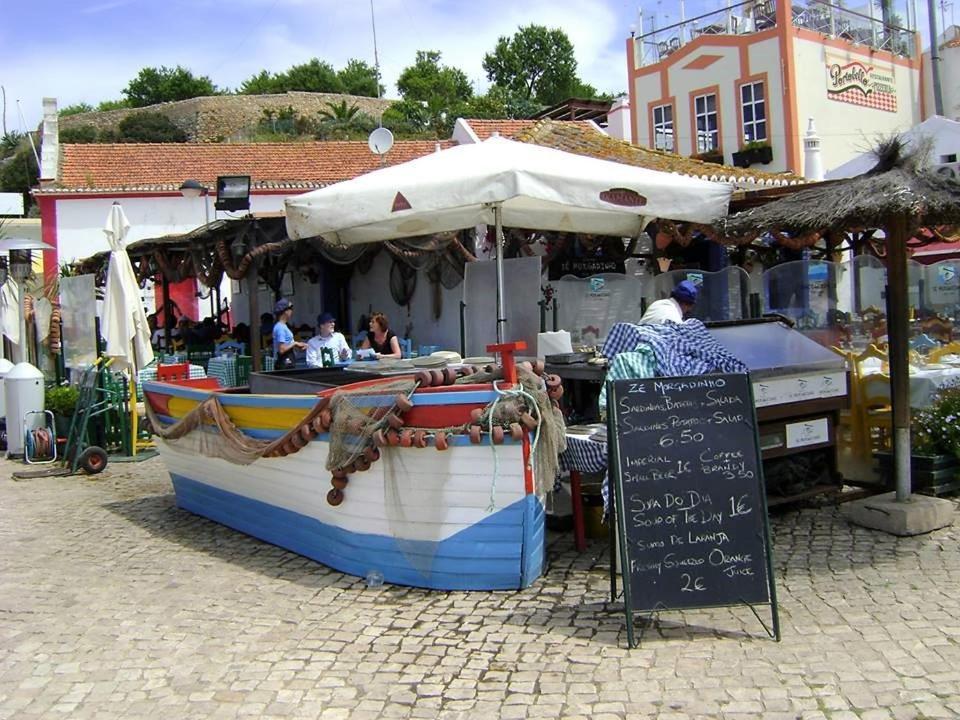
{"type": "Point", "coordinates": [88, 50]}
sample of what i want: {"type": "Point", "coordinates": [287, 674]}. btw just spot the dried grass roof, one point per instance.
{"type": "Point", "coordinates": [897, 186]}
{"type": "Point", "coordinates": [583, 139]}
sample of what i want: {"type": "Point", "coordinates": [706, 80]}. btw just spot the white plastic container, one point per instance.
{"type": "Point", "coordinates": [23, 393]}
{"type": "Point", "coordinates": [5, 367]}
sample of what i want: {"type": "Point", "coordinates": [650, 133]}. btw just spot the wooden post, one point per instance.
{"type": "Point", "coordinates": [253, 303]}
{"type": "Point", "coordinates": [506, 351]}
{"type": "Point", "coordinates": [898, 335]}
{"type": "Point", "coordinates": [167, 312]}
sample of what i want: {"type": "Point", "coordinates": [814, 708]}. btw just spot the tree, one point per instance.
{"type": "Point", "coordinates": [149, 127]}
{"type": "Point", "coordinates": [76, 109]}
{"type": "Point", "coordinates": [342, 122]}
{"type": "Point", "coordinates": [19, 174]}
{"type": "Point", "coordinates": [107, 105]}
{"type": "Point", "coordinates": [313, 76]}
{"type": "Point", "coordinates": [537, 64]}
{"type": "Point", "coordinates": [10, 142]}
{"type": "Point", "coordinates": [359, 78]}
{"type": "Point", "coordinates": [434, 95]}
{"type": "Point", "coordinates": [152, 86]}
{"type": "Point", "coordinates": [498, 102]}
{"type": "Point", "coordinates": [262, 83]}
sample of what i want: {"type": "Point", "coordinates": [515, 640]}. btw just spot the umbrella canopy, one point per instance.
{"type": "Point", "coordinates": [124, 323]}
{"type": "Point", "coordinates": [897, 196]}
{"type": "Point", "coordinates": [532, 187]}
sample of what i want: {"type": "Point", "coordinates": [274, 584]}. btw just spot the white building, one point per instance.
{"type": "Point", "coordinates": [949, 47]}
{"type": "Point", "coordinates": [756, 71]}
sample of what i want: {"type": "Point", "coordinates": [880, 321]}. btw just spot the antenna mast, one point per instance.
{"type": "Point", "coordinates": [376, 57]}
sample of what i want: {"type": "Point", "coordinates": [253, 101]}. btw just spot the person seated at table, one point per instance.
{"type": "Point", "coordinates": [188, 330]}
{"type": "Point", "coordinates": [284, 343]}
{"type": "Point", "coordinates": [326, 338]}
{"type": "Point", "coordinates": [241, 333]}
{"type": "Point", "coordinates": [206, 332]}
{"type": "Point", "coordinates": [381, 339]}
{"type": "Point", "coordinates": [266, 324]}
{"type": "Point", "coordinates": [674, 308]}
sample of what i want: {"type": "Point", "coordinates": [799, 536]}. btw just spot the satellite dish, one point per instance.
{"type": "Point", "coordinates": [380, 141]}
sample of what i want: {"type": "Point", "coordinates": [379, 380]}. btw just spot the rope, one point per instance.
{"type": "Point", "coordinates": [515, 391]}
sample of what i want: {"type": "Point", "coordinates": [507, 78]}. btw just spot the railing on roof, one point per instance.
{"type": "Point", "coordinates": [859, 27]}
{"type": "Point", "coordinates": [855, 26]}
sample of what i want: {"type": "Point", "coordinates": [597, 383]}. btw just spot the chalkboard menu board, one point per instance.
{"type": "Point", "coordinates": [689, 493]}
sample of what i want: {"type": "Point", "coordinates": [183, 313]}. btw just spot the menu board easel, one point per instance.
{"type": "Point", "coordinates": [689, 500]}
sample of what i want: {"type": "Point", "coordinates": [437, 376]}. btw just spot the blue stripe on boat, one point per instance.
{"type": "Point", "coordinates": [491, 555]}
{"type": "Point", "coordinates": [534, 541]}
{"type": "Point", "coordinates": [467, 397]}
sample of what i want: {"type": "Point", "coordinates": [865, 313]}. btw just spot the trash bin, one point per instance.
{"type": "Point", "coordinates": [5, 367]}
{"type": "Point", "coordinates": [23, 393]}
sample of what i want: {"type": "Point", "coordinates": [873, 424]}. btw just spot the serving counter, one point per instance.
{"type": "Point", "coordinates": [799, 389]}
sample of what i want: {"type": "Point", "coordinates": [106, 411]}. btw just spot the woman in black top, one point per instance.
{"type": "Point", "coordinates": [381, 338]}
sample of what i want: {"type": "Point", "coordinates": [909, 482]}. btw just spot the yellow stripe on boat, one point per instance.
{"type": "Point", "coordinates": [252, 418]}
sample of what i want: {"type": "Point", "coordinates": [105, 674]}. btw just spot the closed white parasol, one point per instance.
{"type": "Point", "coordinates": [124, 322]}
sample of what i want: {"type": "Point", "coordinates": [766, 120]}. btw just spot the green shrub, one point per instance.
{"type": "Point", "coordinates": [61, 399]}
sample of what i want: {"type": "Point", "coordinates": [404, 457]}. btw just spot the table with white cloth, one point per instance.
{"type": "Point", "coordinates": [583, 455]}
{"type": "Point", "coordinates": [926, 381]}
{"type": "Point", "coordinates": [150, 373]}
{"type": "Point", "coordinates": [224, 368]}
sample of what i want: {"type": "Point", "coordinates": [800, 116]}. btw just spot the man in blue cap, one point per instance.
{"type": "Point", "coordinates": [326, 338]}
{"type": "Point", "coordinates": [674, 308]}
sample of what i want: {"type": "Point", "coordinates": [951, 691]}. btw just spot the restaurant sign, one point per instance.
{"type": "Point", "coordinates": [858, 83]}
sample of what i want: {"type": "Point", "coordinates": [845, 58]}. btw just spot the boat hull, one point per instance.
{"type": "Point", "coordinates": [461, 519]}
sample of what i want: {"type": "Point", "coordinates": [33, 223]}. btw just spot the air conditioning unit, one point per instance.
{"type": "Point", "coordinates": [950, 170]}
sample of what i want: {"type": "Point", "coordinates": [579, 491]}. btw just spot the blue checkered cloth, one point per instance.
{"type": "Point", "coordinates": [680, 349]}
{"type": "Point", "coordinates": [584, 455]}
{"type": "Point", "coordinates": [641, 363]}
{"type": "Point", "coordinates": [587, 456]}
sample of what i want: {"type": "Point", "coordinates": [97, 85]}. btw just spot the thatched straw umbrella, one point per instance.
{"type": "Point", "coordinates": [897, 196]}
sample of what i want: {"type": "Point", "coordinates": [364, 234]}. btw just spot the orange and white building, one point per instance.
{"type": "Point", "coordinates": [757, 71]}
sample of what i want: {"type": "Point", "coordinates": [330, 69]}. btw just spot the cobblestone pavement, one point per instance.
{"type": "Point", "coordinates": [115, 604]}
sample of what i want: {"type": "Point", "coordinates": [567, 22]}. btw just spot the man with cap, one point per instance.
{"type": "Point", "coordinates": [326, 338]}
{"type": "Point", "coordinates": [283, 341]}
{"type": "Point", "coordinates": [674, 308]}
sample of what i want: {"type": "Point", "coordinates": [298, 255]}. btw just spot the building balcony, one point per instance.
{"type": "Point", "coordinates": [861, 26]}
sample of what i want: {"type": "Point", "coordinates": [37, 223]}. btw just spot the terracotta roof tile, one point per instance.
{"type": "Point", "coordinates": [582, 139]}
{"type": "Point", "coordinates": [135, 166]}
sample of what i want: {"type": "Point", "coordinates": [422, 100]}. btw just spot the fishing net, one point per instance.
{"type": "Point", "coordinates": [531, 397]}
{"type": "Point", "coordinates": [357, 414]}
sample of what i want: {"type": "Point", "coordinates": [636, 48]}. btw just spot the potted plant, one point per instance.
{"type": "Point", "coordinates": [935, 444]}
{"type": "Point", "coordinates": [755, 151]}
{"type": "Point", "coordinates": [61, 400]}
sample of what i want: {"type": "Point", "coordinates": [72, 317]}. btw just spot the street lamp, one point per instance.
{"type": "Point", "coordinates": [20, 268]}
{"type": "Point", "coordinates": [192, 188]}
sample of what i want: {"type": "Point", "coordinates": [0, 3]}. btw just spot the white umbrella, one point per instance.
{"type": "Point", "coordinates": [124, 323]}
{"type": "Point", "coordinates": [501, 182]}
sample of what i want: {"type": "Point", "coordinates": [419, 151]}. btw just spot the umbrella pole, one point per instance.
{"type": "Point", "coordinates": [501, 306]}
{"type": "Point", "coordinates": [898, 337]}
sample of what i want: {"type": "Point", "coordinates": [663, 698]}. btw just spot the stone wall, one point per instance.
{"type": "Point", "coordinates": [229, 117]}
